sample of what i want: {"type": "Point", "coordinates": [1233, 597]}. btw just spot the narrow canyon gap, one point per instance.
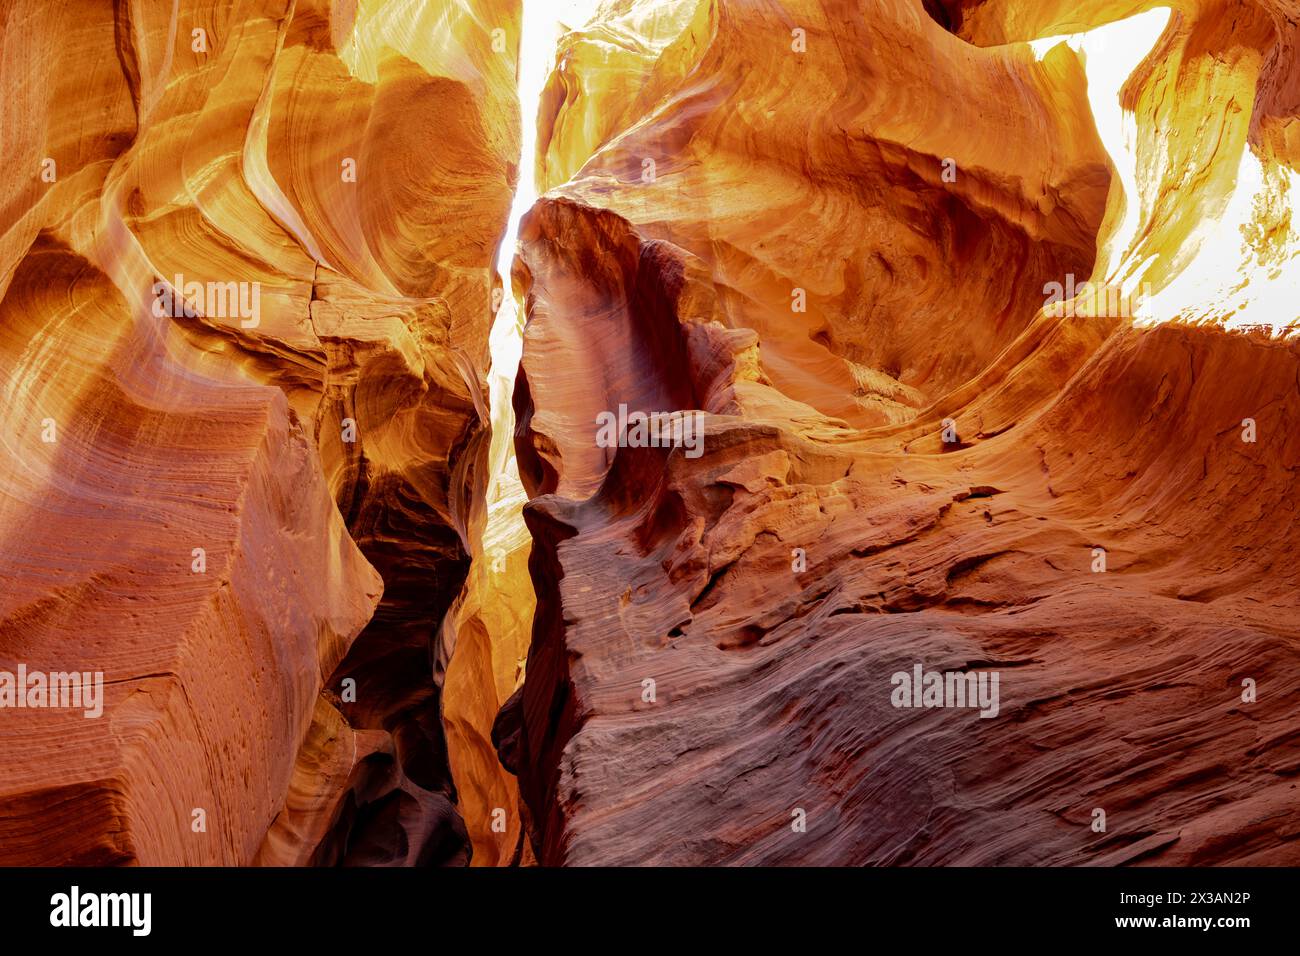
{"type": "Point", "coordinates": [494, 621]}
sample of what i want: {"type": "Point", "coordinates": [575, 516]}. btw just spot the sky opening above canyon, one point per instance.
{"type": "Point", "coordinates": [544, 23]}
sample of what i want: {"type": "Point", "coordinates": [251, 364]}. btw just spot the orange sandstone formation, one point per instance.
{"type": "Point", "coordinates": [975, 323]}
{"type": "Point", "coordinates": [345, 168]}
{"type": "Point", "coordinates": [830, 228]}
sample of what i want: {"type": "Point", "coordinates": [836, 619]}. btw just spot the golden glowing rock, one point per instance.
{"type": "Point", "coordinates": [254, 275]}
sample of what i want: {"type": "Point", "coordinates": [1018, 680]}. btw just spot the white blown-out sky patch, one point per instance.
{"type": "Point", "coordinates": [544, 22]}
{"type": "Point", "coordinates": [1232, 276]}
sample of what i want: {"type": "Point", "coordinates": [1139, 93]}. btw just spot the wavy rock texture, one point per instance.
{"type": "Point", "coordinates": [706, 162]}
{"type": "Point", "coordinates": [356, 161]}
{"type": "Point", "coordinates": [246, 293]}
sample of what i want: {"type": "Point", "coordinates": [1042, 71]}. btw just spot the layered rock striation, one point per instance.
{"type": "Point", "coordinates": [246, 273]}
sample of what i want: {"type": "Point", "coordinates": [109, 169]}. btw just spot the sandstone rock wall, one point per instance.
{"type": "Point", "coordinates": [927, 466]}
{"type": "Point", "coordinates": [355, 162]}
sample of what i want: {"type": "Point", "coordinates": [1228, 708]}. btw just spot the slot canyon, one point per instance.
{"type": "Point", "coordinates": [975, 322]}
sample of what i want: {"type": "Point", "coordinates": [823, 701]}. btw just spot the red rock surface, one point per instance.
{"type": "Point", "coordinates": [823, 170]}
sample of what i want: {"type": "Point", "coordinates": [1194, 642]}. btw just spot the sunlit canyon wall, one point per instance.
{"type": "Point", "coordinates": [253, 520]}
{"type": "Point", "coordinates": [976, 319]}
